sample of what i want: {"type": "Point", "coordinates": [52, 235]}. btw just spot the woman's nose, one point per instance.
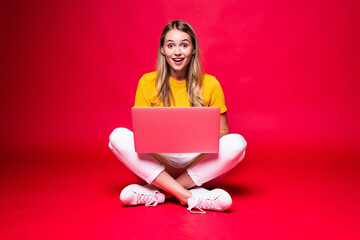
{"type": "Point", "coordinates": [177, 51]}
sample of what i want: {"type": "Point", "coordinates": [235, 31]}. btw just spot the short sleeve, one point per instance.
{"type": "Point", "coordinates": [142, 97]}
{"type": "Point", "coordinates": [217, 98]}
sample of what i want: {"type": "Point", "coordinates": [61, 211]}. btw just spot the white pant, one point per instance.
{"type": "Point", "coordinates": [201, 168]}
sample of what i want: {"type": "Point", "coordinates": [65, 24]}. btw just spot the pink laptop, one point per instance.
{"type": "Point", "coordinates": [176, 129]}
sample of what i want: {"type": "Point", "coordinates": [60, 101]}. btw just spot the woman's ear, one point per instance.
{"type": "Point", "coordinates": [162, 50]}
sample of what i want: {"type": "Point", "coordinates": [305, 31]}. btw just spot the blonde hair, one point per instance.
{"type": "Point", "coordinates": [194, 75]}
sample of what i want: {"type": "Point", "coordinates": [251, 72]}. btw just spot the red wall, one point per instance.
{"type": "Point", "coordinates": [289, 69]}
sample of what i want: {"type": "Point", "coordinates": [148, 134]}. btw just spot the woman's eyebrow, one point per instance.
{"type": "Point", "coordinates": [170, 40]}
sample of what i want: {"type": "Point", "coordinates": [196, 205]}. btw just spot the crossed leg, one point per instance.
{"type": "Point", "coordinates": [231, 152]}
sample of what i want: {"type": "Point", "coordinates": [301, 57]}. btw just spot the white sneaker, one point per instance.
{"type": "Point", "coordinates": [135, 194]}
{"type": "Point", "coordinates": [216, 200]}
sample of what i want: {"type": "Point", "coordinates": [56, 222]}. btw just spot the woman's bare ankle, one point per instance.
{"type": "Point", "coordinates": [183, 199]}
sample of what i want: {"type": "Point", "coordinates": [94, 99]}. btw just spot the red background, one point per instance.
{"type": "Point", "coordinates": [289, 71]}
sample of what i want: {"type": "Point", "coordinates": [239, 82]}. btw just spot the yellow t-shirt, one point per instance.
{"type": "Point", "coordinates": [212, 92]}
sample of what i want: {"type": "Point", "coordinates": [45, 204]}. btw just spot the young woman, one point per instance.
{"type": "Point", "coordinates": [179, 82]}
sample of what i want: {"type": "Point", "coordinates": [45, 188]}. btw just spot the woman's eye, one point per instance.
{"type": "Point", "coordinates": [170, 45]}
{"type": "Point", "coordinates": [184, 45]}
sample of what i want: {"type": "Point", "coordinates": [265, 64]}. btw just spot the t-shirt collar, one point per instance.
{"type": "Point", "coordinates": [176, 83]}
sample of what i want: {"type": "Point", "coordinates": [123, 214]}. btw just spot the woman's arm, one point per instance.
{"type": "Point", "coordinates": [224, 127]}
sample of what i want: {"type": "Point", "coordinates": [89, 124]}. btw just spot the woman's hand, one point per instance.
{"type": "Point", "coordinates": [224, 127]}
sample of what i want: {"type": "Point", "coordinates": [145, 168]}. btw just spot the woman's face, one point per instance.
{"type": "Point", "coordinates": [178, 50]}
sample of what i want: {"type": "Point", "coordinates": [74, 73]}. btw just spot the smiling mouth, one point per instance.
{"type": "Point", "coordinates": [178, 60]}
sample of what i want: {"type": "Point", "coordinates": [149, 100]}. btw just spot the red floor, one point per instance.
{"type": "Point", "coordinates": [283, 193]}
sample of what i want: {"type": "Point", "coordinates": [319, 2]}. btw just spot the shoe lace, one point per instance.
{"type": "Point", "coordinates": [207, 202]}
{"type": "Point", "coordinates": [150, 199]}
